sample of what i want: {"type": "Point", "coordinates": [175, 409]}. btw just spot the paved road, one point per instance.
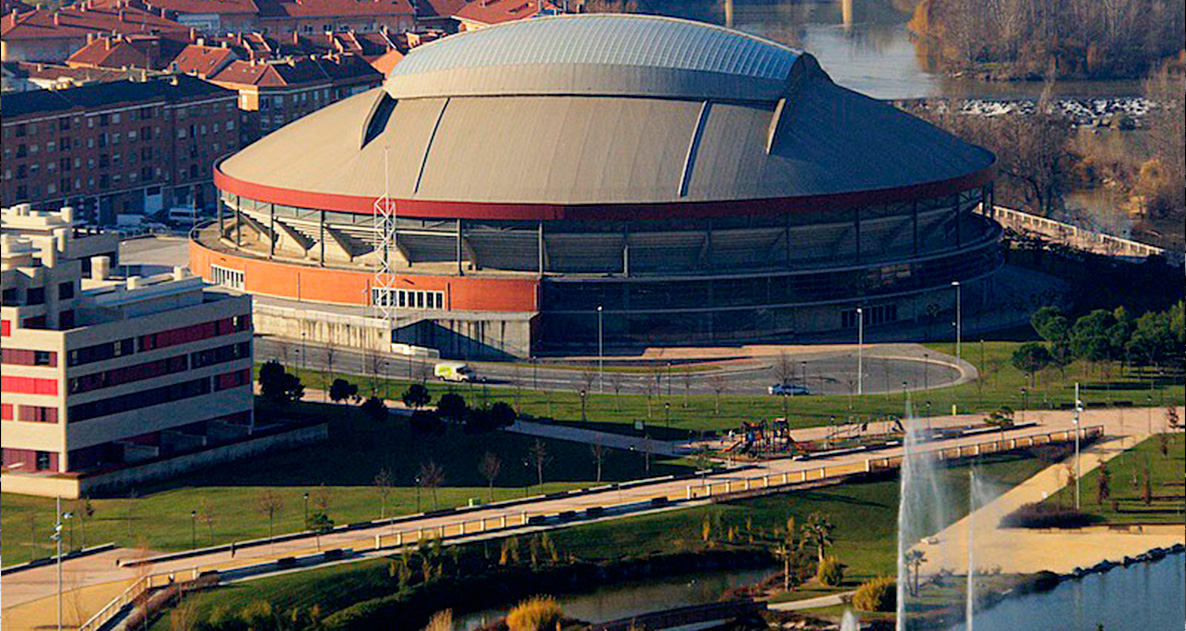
{"type": "Point", "coordinates": [824, 369]}
{"type": "Point", "coordinates": [28, 586]}
{"type": "Point", "coordinates": [831, 371]}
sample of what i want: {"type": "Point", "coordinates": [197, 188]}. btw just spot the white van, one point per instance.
{"type": "Point", "coordinates": [453, 371]}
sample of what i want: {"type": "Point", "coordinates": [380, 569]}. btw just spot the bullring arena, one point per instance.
{"type": "Point", "coordinates": [634, 180]}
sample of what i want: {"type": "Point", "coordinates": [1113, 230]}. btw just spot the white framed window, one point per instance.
{"type": "Point", "coordinates": [408, 298]}
{"type": "Point", "coordinates": [226, 277]}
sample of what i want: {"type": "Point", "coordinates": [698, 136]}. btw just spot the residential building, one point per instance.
{"type": "Point", "coordinates": [208, 16]}
{"type": "Point", "coordinates": [476, 14]}
{"type": "Point", "coordinates": [121, 52]}
{"type": "Point", "coordinates": [279, 17]}
{"type": "Point", "coordinates": [52, 35]}
{"type": "Point", "coordinates": [285, 90]}
{"type": "Point", "coordinates": [103, 375]}
{"type": "Point", "coordinates": [121, 147]}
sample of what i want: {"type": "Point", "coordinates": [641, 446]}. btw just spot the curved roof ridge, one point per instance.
{"type": "Point", "coordinates": [572, 54]}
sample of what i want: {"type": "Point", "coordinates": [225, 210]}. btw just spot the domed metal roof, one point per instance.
{"type": "Point", "coordinates": [599, 54]}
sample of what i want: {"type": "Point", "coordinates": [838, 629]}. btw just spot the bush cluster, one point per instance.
{"type": "Point", "coordinates": [1046, 516]}
{"type": "Point", "coordinates": [878, 594]}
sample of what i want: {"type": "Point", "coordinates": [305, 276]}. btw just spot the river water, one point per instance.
{"type": "Point", "coordinates": [623, 600]}
{"type": "Point", "coordinates": [1142, 597]}
{"type": "Point", "coordinates": [872, 51]}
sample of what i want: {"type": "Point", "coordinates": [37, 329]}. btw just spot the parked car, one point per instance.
{"type": "Point", "coordinates": [787, 389]}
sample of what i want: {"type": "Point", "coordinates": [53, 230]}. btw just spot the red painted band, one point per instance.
{"type": "Point", "coordinates": [578, 212]}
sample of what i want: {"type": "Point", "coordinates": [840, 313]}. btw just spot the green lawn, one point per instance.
{"type": "Point", "coordinates": [358, 448]}
{"type": "Point", "coordinates": [1127, 487]}
{"type": "Point", "coordinates": [1001, 384]}
{"type": "Point", "coordinates": [864, 513]}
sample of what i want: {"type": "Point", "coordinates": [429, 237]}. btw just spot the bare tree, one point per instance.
{"type": "Point", "coordinates": [719, 384]}
{"type": "Point", "coordinates": [267, 503]}
{"type": "Point", "coordinates": [383, 481]}
{"type": "Point", "coordinates": [539, 458]}
{"type": "Point", "coordinates": [490, 466]}
{"type": "Point", "coordinates": [206, 515]}
{"type": "Point", "coordinates": [599, 452]}
{"type": "Point", "coordinates": [686, 377]}
{"type": "Point", "coordinates": [649, 390]}
{"type": "Point", "coordinates": [615, 383]}
{"type": "Point", "coordinates": [784, 372]}
{"type": "Point", "coordinates": [432, 476]}
{"type": "Point", "coordinates": [331, 351]}
{"type": "Point", "coordinates": [323, 498]}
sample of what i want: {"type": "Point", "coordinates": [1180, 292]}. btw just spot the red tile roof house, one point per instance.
{"type": "Point", "coordinates": [279, 17]}
{"type": "Point", "coordinates": [208, 16]}
{"type": "Point", "coordinates": [52, 36]}
{"type": "Point", "coordinates": [477, 14]}
{"type": "Point", "coordinates": [203, 61]}
{"type": "Point", "coordinates": [122, 52]}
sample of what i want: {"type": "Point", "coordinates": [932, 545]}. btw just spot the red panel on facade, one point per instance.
{"type": "Point", "coordinates": [5, 411]}
{"type": "Point", "coordinates": [28, 385]}
{"type": "Point", "coordinates": [5, 328]}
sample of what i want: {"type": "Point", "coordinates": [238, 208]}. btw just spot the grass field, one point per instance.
{"type": "Point", "coordinates": [1168, 505]}
{"type": "Point", "coordinates": [864, 513]}
{"type": "Point", "coordinates": [347, 464]}
{"type": "Point", "coordinates": [1000, 384]}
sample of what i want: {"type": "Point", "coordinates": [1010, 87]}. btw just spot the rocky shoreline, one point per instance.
{"type": "Point", "coordinates": [1125, 112]}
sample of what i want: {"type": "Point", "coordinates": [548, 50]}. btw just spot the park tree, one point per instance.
{"type": "Point", "coordinates": [615, 383]}
{"type": "Point", "coordinates": [784, 372]}
{"type": "Point", "coordinates": [416, 396]}
{"type": "Point", "coordinates": [598, 453]}
{"type": "Point", "coordinates": [502, 415]}
{"type": "Point", "coordinates": [374, 408]}
{"type": "Point", "coordinates": [341, 390]}
{"type": "Point", "coordinates": [319, 524]}
{"type": "Point", "coordinates": [432, 476]}
{"type": "Point", "coordinates": [817, 533]}
{"type": "Point", "coordinates": [1031, 358]}
{"type": "Point", "coordinates": [451, 406]}
{"type": "Point", "coordinates": [719, 383]}
{"type": "Point", "coordinates": [268, 502]}
{"type": "Point", "coordinates": [914, 559]}
{"type": "Point", "coordinates": [1103, 485]}
{"type": "Point", "coordinates": [278, 386]}
{"type": "Point", "coordinates": [490, 466]}
{"type": "Point", "coordinates": [539, 458]}
{"type": "Point", "coordinates": [206, 514]}
{"type": "Point", "coordinates": [1050, 323]}
{"type": "Point", "coordinates": [383, 481]}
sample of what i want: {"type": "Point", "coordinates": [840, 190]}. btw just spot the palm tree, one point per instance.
{"type": "Point", "coordinates": [818, 532]}
{"type": "Point", "coordinates": [914, 561]}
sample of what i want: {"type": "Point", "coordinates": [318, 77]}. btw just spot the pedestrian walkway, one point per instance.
{"type": "Point", "coordinates": [1021, 550]}
{"type": "Point", "coordinates": [32, 586]}
{"type": "Point", "coordinates": [605, 439]}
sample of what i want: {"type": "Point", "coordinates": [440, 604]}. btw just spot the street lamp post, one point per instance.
{"type": "Point", "coordinates": [803, 365]}
{"type": "Point", "coordinates": [57, 539]}
{"type": "Point", "coordinates": [305, 496]}
{"type": "Point", "coordinates": [600, 351]}
{"type": "Point", "coordinates": [1078, 410]}
{"type": "Point", "coordinates": [958, 322]}
{"type": "Point", "coordinates": [667, 413]}
{"type": "Point", "coordinates": [193, 528]}
{"type": "Point", "coordinates": [860, 351]}
{"type": "Point", "coordinates": [583, 395]}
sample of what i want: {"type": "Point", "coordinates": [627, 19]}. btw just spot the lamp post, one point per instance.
{"type": "Point", "coordinates": [305, 496]}
{"type": "Point", "coordinates": [193, 528]}
{"type": "Point", "coordinates": [958, 322]}
{"type": "Point", "coordinates": [803, 365]}
{"type": "Point", "coordinates": [57, 539]}
{"type": "Point", "coordinates": [667, 413]}
{"type": "Point", "coordinates": [583, 395]}
{"type": "Point", "coordinates": [860, 351]}
{"type": "Point", "coordinates": [1078, 410]}
{"type": "Point", "coordinates": [600, 351]}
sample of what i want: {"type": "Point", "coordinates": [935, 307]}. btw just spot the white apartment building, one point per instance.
{"type": "Point", "coordinates": [103, 374]}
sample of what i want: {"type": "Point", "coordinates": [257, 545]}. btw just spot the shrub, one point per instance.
{"type": "Point", "coordinates": [878, 594]}
{"type": "Point", "coordinates": [1046, 516]}
{"type": "Point", "coordinates": [452, 406]}
{"type": "Point", "coordinates": [538, 613]}
{"type": "Point", "coordinates": [374, 408]}
{"type": "Point", "coordinates": [830, 571]}
{"type": "Point", "coordinates": [426, 422]}
{"type": "Point", "coordinates": [342, 390]}
{"type": "Point", "coordinates": [256, 614]}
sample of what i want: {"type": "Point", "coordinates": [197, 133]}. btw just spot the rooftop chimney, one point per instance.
{"type": "Point", "coordinates": [100, 267]}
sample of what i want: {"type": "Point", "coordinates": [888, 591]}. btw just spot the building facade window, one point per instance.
{"type": "Point", "coordinates": [227, 277]}
{"type": "Point", "coordinates": [408, 298]}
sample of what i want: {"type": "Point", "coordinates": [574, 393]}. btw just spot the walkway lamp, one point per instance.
{"type": "Point", "coordinates": [959, 356]}
{"type": "Point", "coordinates": [860, 351]}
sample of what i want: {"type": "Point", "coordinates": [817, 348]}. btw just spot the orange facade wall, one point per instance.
{"type": "Point", "coordinates": [335, 286]}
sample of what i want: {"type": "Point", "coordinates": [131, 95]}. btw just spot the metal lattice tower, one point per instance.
{"type": "Point", "coordinates": [384, 216]}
